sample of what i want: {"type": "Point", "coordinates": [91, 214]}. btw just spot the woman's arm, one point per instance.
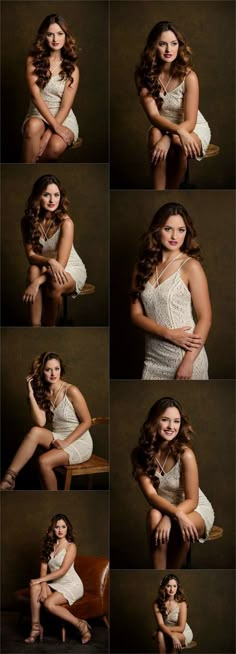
{"type": "Point", "coordinates": [160, 621]}
{"type": "Point", "coordinates": [152, 497]}
{"type": "Point", "coordinates": [65, 241]}
{"type": "Point", "coordinates": [66, 564]}
{"type": "Point", "coordinates": [182, 619]}
{"type": "Point", "coordinates": [198, 288]}
{"type": "Point", "coordinates": [191, 102]}
{"type": "Point", "coordinates": [38, 415]}
{"type": "Point", "coordinates": [81, 410]}
{"type": "Point", "coordinates": [35, 94]}
{"type": "Point", "coordinates": [68, 97]}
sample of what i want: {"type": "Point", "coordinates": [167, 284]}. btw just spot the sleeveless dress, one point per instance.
{"type": "Point", "coordinates": [74, 264]}
{"type": "Point", "coordinates": [52, 95]}
{"type": "Point", "coordinates": [70, 584]}
{"type": "Point", "coordinates": [171, 489]}
{"type": "Point", "coordinates": [172, 109]}
{"type": "Point", "coordinates": [171, 620]}
{"type": "Point", "coordinates": [64, 422]}
{"type": "Point", "coordinates": [169, 304]}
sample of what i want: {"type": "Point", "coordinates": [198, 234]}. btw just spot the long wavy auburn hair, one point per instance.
{"type": "Point", "coordinates": [50, 537]}
{"type": "Point", "coordinates": [40, 52]}
{"type": "Point", "coordinates": [150, 251]}
{"type": "Point", "coordinates": [39, 385]}
{"type": "Point", "coordinates": [34, 212]}
{"type": "Point", "coordinates": [150, 66]}
{"type": "Point", "coordinates": [144, 455]}
{"type": "Point", "coordinates": [162, 594]}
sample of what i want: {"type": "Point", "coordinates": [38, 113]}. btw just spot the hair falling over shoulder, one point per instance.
{"type": "Point", "coordinates": [50, 537]}
{"type": "Point", "coordinates": [149, 68]}
{"type": "Point", "coordinates": [30, 223]}
{"type": "Point", "coordinates": [39, 385]}
{"type": "Point", "coordinates": [150, 252]}
{"type": "Point", "coordinates": [161, 597]}
{"type": "Point", "coordinates": [40, 52]}
{"type": "Point", "coordinates": [144, 455]}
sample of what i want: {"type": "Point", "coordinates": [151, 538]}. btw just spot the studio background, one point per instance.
{"type": "Point", "coordinates": [210, 614]}
{"type": "Point", "coordinates": [26, 517]}
{"type": "Point", "coordinates": [210, 408]}
{"type": "Point", "coordinates": [207, 27]}
{"type": "Point", "coordinates": [86, 187]}
{"type": "Point", "coordinates": [212, 213]}
{"type": "Point", "coordinates": [85, 355]}
{"type": "Point", "coordinates": [88, 22]}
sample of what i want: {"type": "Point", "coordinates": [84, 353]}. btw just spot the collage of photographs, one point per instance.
{"type": "Point", "coordinates": [118, 327]}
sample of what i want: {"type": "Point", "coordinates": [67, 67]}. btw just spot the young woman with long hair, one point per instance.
{"type": "Point", "coordinates": [169, 94]}
{"type": "Point", "coordinates": [167, 280]}
{"type": "Point", "coordinates": [62, 584]}
{"type": "Point", "coordinates": [170, 610]}
{"type": "Point", "coordinates": [52, 77]}
{"type": "Point", "coordinates": [166, 469]}
{"type": "Point", "coordinates": [55, 267]}
{"type": "Point", "coordinates": [61, 405]}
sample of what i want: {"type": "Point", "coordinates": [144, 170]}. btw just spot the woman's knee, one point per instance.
{"type": "Point", "coordinates": [44, 462]}
{"type": "Point", "coordinates": [153, 518]}
{"type": "Point", "coordinates": [49, 603]}
{"type": "Point", "coordinates": [154, 135]}
{"type": "Point", "coordinates": [160, 637]}
{"type": "Point", "coordinates": [34, 433]}
{"type": "Point", "coordinates": [56, 146]}
{"type": "Point", "coordinates": [33, 273]}
{"type": "Point", "coordinates": [53, 288]}
{"type": "Point", "coordinates": [33, 127]}
{"type": "Point", "coordinates": [34, 590]}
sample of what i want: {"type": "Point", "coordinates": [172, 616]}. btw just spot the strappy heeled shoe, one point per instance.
{"type": "Point", "coordinates": [36, 632]}
{"type": "Point", "coordinates": [10, 482]}
{"type": "Point", "coordinates": [85, 631]}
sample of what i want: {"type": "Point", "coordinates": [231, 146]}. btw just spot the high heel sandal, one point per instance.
{"type": "Point", "coordinates": [85, 631]}
{"type": "Point", "coordinates": [36, 632]}
{"type": "Point", "coordinates": [10, 482]}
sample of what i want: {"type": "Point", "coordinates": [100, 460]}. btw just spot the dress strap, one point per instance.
{"type": "Point", "coordinates": [66, 389]}
{"type": "Point", "coordinates": [183, 262]}
{"type": "Point", "coordinates": [164, 269]}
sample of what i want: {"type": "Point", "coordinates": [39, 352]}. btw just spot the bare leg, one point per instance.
{"type": "Point", "coordinates": [36, 307]}
{"type": "Point", "coordinates": [35, 606]}
{"type": "Point", "coordinates": [49, 461]}
{"type": "Point", "coordinates": [53, 299]}
{"type": "Point", "coordinates": [176, 165]}
{"type": "Point", "coordinates": [53, 604]}
{"type": "Point", "coordinates": [158, 552]}
{"type": "Point", "coordinates": [181, 638]}
{"type": "Point", "coordinates": [56, 146]}
{"type": "Point", "coordinates": [36, 436]}
{"type": "Point", "coordinates": [178, 549]}
{"type": "Point", "coordinates": [33, 131]}
{"type": "Point", "coordinates": [159, 169]}
{"type": "Point", "coordinates": [161, 643]}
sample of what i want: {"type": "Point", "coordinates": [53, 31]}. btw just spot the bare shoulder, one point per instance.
{"type": "Point", "coordinates": [67, 220]}
{"type": "Point", "coordinates": [193, 266]}
{"type": "Point", "coordinates": [187, 455]}
{"type": "Point", "coordinates": [191, 78]}
{"type": "Point", "coordinates": [72, 548]}
{"type": "Point", "coordinates": [73, 393]}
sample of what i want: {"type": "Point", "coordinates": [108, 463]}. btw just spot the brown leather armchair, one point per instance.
{"type": "Point", "coordinates": [94, 572]}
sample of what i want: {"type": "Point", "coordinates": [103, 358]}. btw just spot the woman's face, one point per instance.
{"type": "Point", "coordinates": [168, 424]}
{"type": "Point", "coordinates": [52, 371]}
{"type": "Point", "coordinates": [173, 233]}
{"type": "Point", "coordinates": [50, 198]}
{"type": "Point", "coordinates": [55, 37]}
{"type": "Point", "coordinates": [171, 588]}
{"type": "Point", "coordinates": [60, 529]}
{"type": "Point", "coordinates": [167, 46]}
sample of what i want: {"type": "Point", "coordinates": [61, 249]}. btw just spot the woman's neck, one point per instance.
{"type": "Point", "coordinates": [168, 256]}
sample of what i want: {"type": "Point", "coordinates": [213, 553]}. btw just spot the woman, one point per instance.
{"type": "Point", "coordinates": [54, 401]}
{"type": "Point", "coordinates": [55, 267]}
{"type": "Point", "coordinates": [167, 280]}
{"type": "Point", "coordinates": [62, 585]}
{"type": "Point", "coordinates": [170, 610]}
{"type": "Point", "coordinates": [166, 470]}
{"type": "Point", "coordinates": [52, 78]}
{"type": "Point", "coordinates": [169, 94]}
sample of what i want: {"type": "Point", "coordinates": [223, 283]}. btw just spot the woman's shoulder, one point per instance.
{"type": "Point", "coordinates": [73, 392]}
{"type": "Point", "coordinates": [187, 455]}
{"type": "Point", "coordinates": [191, 78]}
{"type": "Point", "coordinates": [192, 264]}
{"type": "Point", "coordinates": [67, 222]}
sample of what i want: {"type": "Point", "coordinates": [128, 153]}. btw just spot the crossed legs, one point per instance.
{"type": "Point", "coordinates": [49, 297]}
{"type": "Point", "coordinates": [164, 643]}
{"type": "Point", "coordinates": [34, 130]}
{"type": "Point", "coordinates": [172, 554]}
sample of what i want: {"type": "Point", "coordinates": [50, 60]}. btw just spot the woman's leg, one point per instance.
{"type": "Point", "coordinates": [158, 552]}
{"type": "Point", "coordinates": [36, 307]}
{"type": "Point", "coordinates": [33, 131]}
{"type": "Point", "coordinates": [159, 169]}
{"type": "Point", "coordinates": [35, 606]}
{"type": "Point", "coordinates": [56, 146]}
{"type": "Point", "coordinates": [179, 637]}
{"type": "Point", "coordinates": [53, 604]}
{"type": "Point", "coordinates": [178, 548]}
{"type": "Point", "coordinates": [52, 298]}
{"type": "Point", "coordinates": [36, 436]}
{"type": "Point", "coordinates": [161, 643]}
{"type": "Point", "coordinates": [47, 463]}
{"type": "Point", "coordinates": [177, 161]}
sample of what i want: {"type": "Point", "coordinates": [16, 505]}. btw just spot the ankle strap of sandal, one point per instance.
{"type": "Point", "coordinates": [11, 472]}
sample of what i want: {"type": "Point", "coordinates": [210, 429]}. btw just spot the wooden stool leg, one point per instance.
{"type": "Point", "coordinates": [63, 633]}
{"type": "Point", "coordinates": [68, 479]}
{"type": "Point", "coordinates": [104, 617]}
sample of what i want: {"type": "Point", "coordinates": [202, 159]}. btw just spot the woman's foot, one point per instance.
{"type": "Point", "coordinates": [85, 631]}
{"type": "Point", "coordinates": [8, 482]}
{"type": "Point", "coordinates": [36, 632]}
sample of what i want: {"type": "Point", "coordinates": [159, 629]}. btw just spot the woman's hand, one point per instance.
{"type": "Point", "coordinates": [64, 133]}
{"type": "Point", "coordinates": [31, 292]}
{"type": "Point", "coordinates": [183, 338]}
{"type": "Point", "coordinates": [161, 149]}
{"type": "Point", "coordinates": [57, 271]}
{"type": "Point", "coordinates": [29, 379]}
{"type": "Point", "coordinates": [189, 145]}
{"type": "Point", "coordinates": [43, 595]}
{"type": "Point", "coordinates": [185, 369]}
{"type": "Point", "coordinates": [57, 444]}
{"type": "Point", "coordinates": [188, 530]}
{"type": "Point", "coordinates": [176, 643]}
{"type": "Point", "coordinates": [162, 531]}
{"type": "Point", "coordinates": [44, 141]}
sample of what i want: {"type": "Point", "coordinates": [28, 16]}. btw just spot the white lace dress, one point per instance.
{"type": "Point", "coordinates": [52, 95]}
{"type": "Point", "coordinates": [64, 423]}
{"type": "Point", "coordinates": [74, 265]}
{"type": "Point", "coordinates": [171, 489]}
{"type": "Point", "coordinates": [70, 584]}
{"type": "Point", "coordinates": [172, 109]}
{"type": "Point", "coordinates": [169, 304]}
{"type": "Point", "coordinates": [171, 620]}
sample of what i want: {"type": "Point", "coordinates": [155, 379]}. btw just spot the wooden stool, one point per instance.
{"type": "Point", "coordinates": [87, 289]}
{"type": "Point", "coordinates": [77, 144]}
{"type": "Point", "coordinates": [92, 466]}
{"type": "Point", "coordinates": [192, 644]}
{"type": "Point", "coordinates": [215, 534]}
{"type": "Point", "coordinates": [212, 151]}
